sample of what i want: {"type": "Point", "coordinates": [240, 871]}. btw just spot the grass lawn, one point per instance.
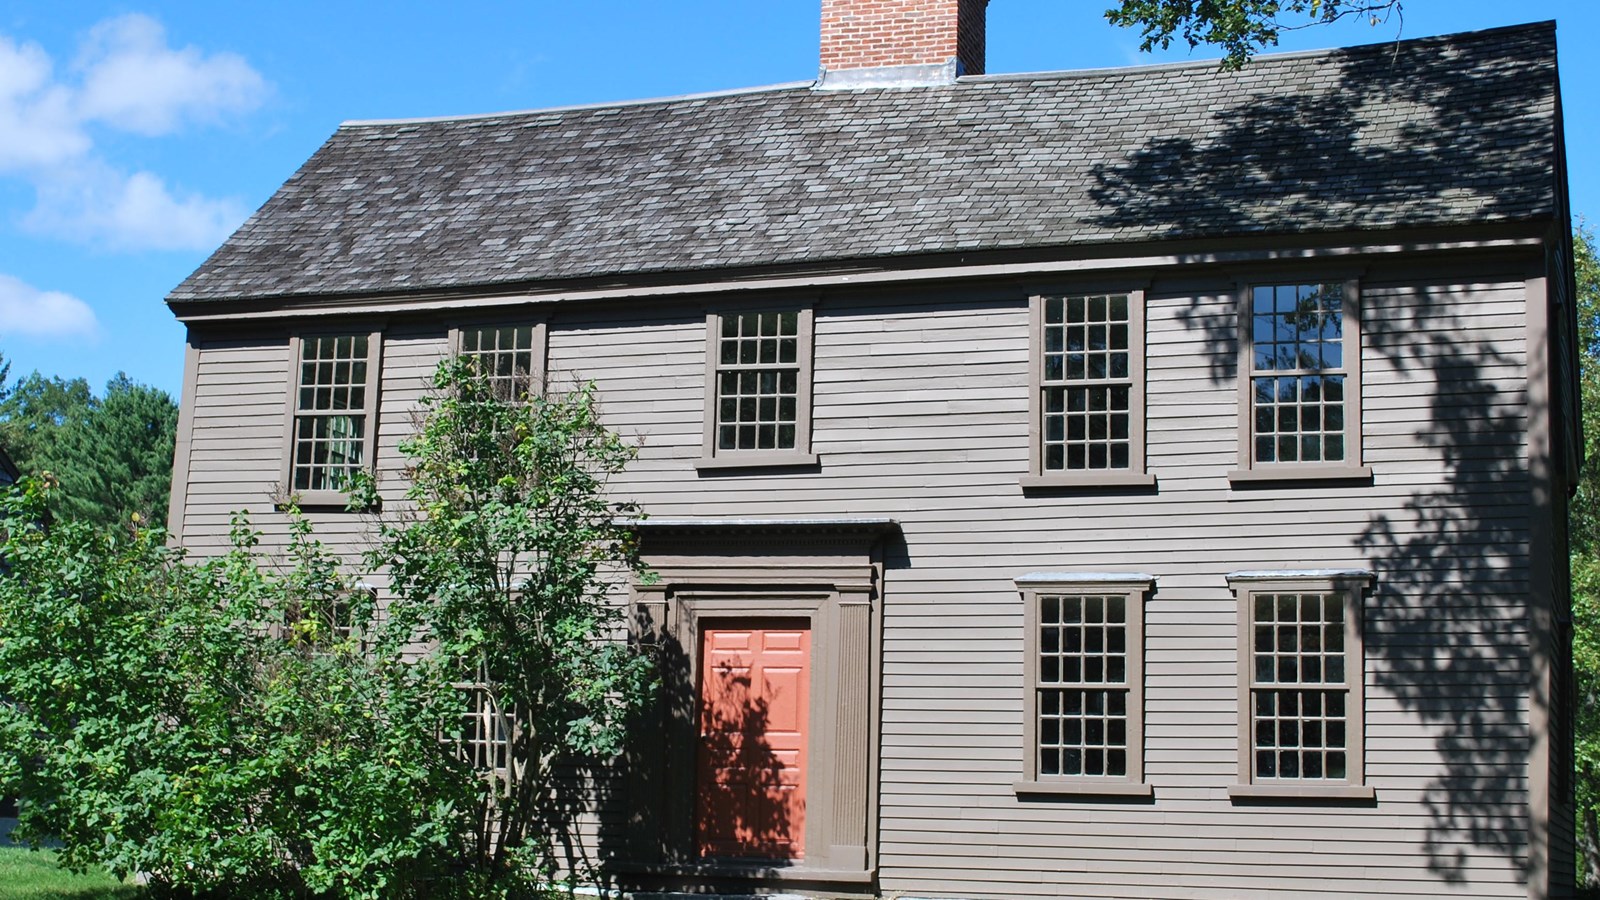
{"type": "Point", "coordinates": [30, 875]}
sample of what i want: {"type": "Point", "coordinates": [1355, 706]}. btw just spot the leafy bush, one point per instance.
{"type": "Point", "coordinates": [254, 727]}
{"type": "Point", "coordinates": [199, 723]}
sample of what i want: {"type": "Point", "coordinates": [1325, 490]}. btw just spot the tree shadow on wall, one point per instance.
{"type": "Point", "coordinates": [746, 795]}
{"type": "Point", "coordinates": [695, 793]}
{"type": "Point", "coordinates": [1409, 129]}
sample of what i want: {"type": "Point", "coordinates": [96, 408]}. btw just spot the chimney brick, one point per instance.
{"type": "Point", "coordinates": [863, 34]}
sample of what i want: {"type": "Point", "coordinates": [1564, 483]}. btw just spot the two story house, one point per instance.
{"type": "Point", "coordinates": [1144, 482]}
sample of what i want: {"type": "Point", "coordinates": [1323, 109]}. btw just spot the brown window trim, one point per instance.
{"type": "Point", "coordinates": [1132, 587]}
{"type": "Point", "coordinates": [1136, 474]}
{"type": "Point", "coordinates": [800, 454]}
{"type": "Point", "coordinates": [1353, 583]}
{"type": "Point", "coordinates": [540, 348]}
{"type": "Point", "coordinates": [331, 499]}
{"type": "Point", "coordinates": [1351, 468]}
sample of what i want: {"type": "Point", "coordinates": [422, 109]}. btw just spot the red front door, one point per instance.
{"type": "Point", "coordinates": [750, 762]}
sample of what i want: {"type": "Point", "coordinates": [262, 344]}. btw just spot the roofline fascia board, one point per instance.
{"type": "Point", "coordinates": [490, 297]}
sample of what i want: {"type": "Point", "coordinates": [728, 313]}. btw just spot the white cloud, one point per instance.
{"type": "Point", "coordinates": [133, 81]}
{"type": "Point", "coordinates": [126, 78]}
{"type": "Point", "coordinates": [26, 310]}
{"type": "Point", "coordinates": [130, 212]}
{"type": "Point", "coordinates": [37, 124]}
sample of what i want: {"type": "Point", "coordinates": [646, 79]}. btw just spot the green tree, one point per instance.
{"type": "Point", "coordinates": [1239, 27]}
{"type": "Point", "coordinates": [112, 454]}
{"type": "Point", "coordinates": [1584, 534]}
{"type": "Point", "coordinates": [505, 566]}
{"type": "Point", "coordinates": [34, 412]}
{"type": "Point", "coordinates": [116, 461]}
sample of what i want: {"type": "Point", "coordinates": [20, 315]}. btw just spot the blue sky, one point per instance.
{"type": "Point", "coordinates": [135, 136]}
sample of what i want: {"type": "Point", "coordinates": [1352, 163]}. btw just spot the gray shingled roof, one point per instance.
{"type": "Point", "coordinates": [1436, 131]}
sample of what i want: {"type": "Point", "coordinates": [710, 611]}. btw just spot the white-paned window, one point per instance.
{"type": "Point", "coordinates": [510, 356]}
{"type": "Point", "coordinates": [1088, 390]}
{"type": "Point", "coordinates": [1301, 688]}
{"type": "Point", "coordinates": [1300, 360]}
{"type": "Point", "coordinates": [1085, 671]}
{"type": "Point", "coordinates": [758, 387]}
{"type": "Point", "coordinates": [331, 425]}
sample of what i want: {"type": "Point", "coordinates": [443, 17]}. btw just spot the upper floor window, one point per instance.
{"type": "Point", "coordinates": [1301, 683]}
{"type": "Point", "coordinates": [1084, 704]}
{"type": "Point", "coordinates": [758, 388]}
{"type": "Point", "coordinates": [1300, 360]}
{"type": "Point", "coordinates": [331, 425]}
{"type": "Point", "coordinates": [1088, 390]}
{"type": "Point", "coordinates": [511, 357]}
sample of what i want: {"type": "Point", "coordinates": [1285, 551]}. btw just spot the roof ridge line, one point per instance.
{"type": "Point", "coordinates": [1212, 62]}
{"type": "Point", "coordinates": [1000, 77]}
{"type": "Point", "coordinates": [606, 104]}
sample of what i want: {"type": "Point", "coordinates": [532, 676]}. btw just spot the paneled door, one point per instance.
{"type": "Point", "coordinates": [750, 761]}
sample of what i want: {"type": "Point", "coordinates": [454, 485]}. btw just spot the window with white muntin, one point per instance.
{"type": "Point", "coordinates": [331, 421]}
{"type": "Point", "coordinates": [1300, 380]}
{"type": "Point", "coordinates": [758, 387]}
{"type": "Point", "coordinates": [1087, 387]}
{"type": "Point", "coordinates": [1301, 684]}
{"type": "Point", "coordinates": [511, 357]}
{"type": "Point", "coordinates": [1084, 697]}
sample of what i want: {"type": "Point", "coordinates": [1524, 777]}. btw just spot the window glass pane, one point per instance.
{"type": "Point", "coordinates": [1055, 340]}
{"type": "Point", "coordinates": [1261, 299]}
{"type": "Point", "coordinates": [1332, 356]}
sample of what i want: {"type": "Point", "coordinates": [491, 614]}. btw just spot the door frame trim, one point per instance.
{"type": "Point", "coordinates": [829, 576]}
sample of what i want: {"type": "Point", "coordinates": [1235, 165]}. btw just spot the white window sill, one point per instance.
{"type": "Point", "coordinates": [1095, 480]}
{"type": "Point", "coordinates": [1310, 792]}
{"type": "Point", "coordinates": [1083, 787]}
{"type": "Point", "coordinates": [756, 459]}
{"type": "Point", "coordinates": [1300, 472]}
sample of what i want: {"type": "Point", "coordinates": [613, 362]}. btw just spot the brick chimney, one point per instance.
{"type": "Point", "coordinates": [892, 43]}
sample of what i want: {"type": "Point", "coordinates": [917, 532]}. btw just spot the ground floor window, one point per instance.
{"type": "Point", "coordinates": [1301, 680]}
{"type": "Point", "coordinates": [1084, 668]}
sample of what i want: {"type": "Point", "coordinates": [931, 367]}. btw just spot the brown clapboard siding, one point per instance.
{"type": "Point", "coordinates": [234, 447]}
{"type": "Point", "coordinates": [920, 413]}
